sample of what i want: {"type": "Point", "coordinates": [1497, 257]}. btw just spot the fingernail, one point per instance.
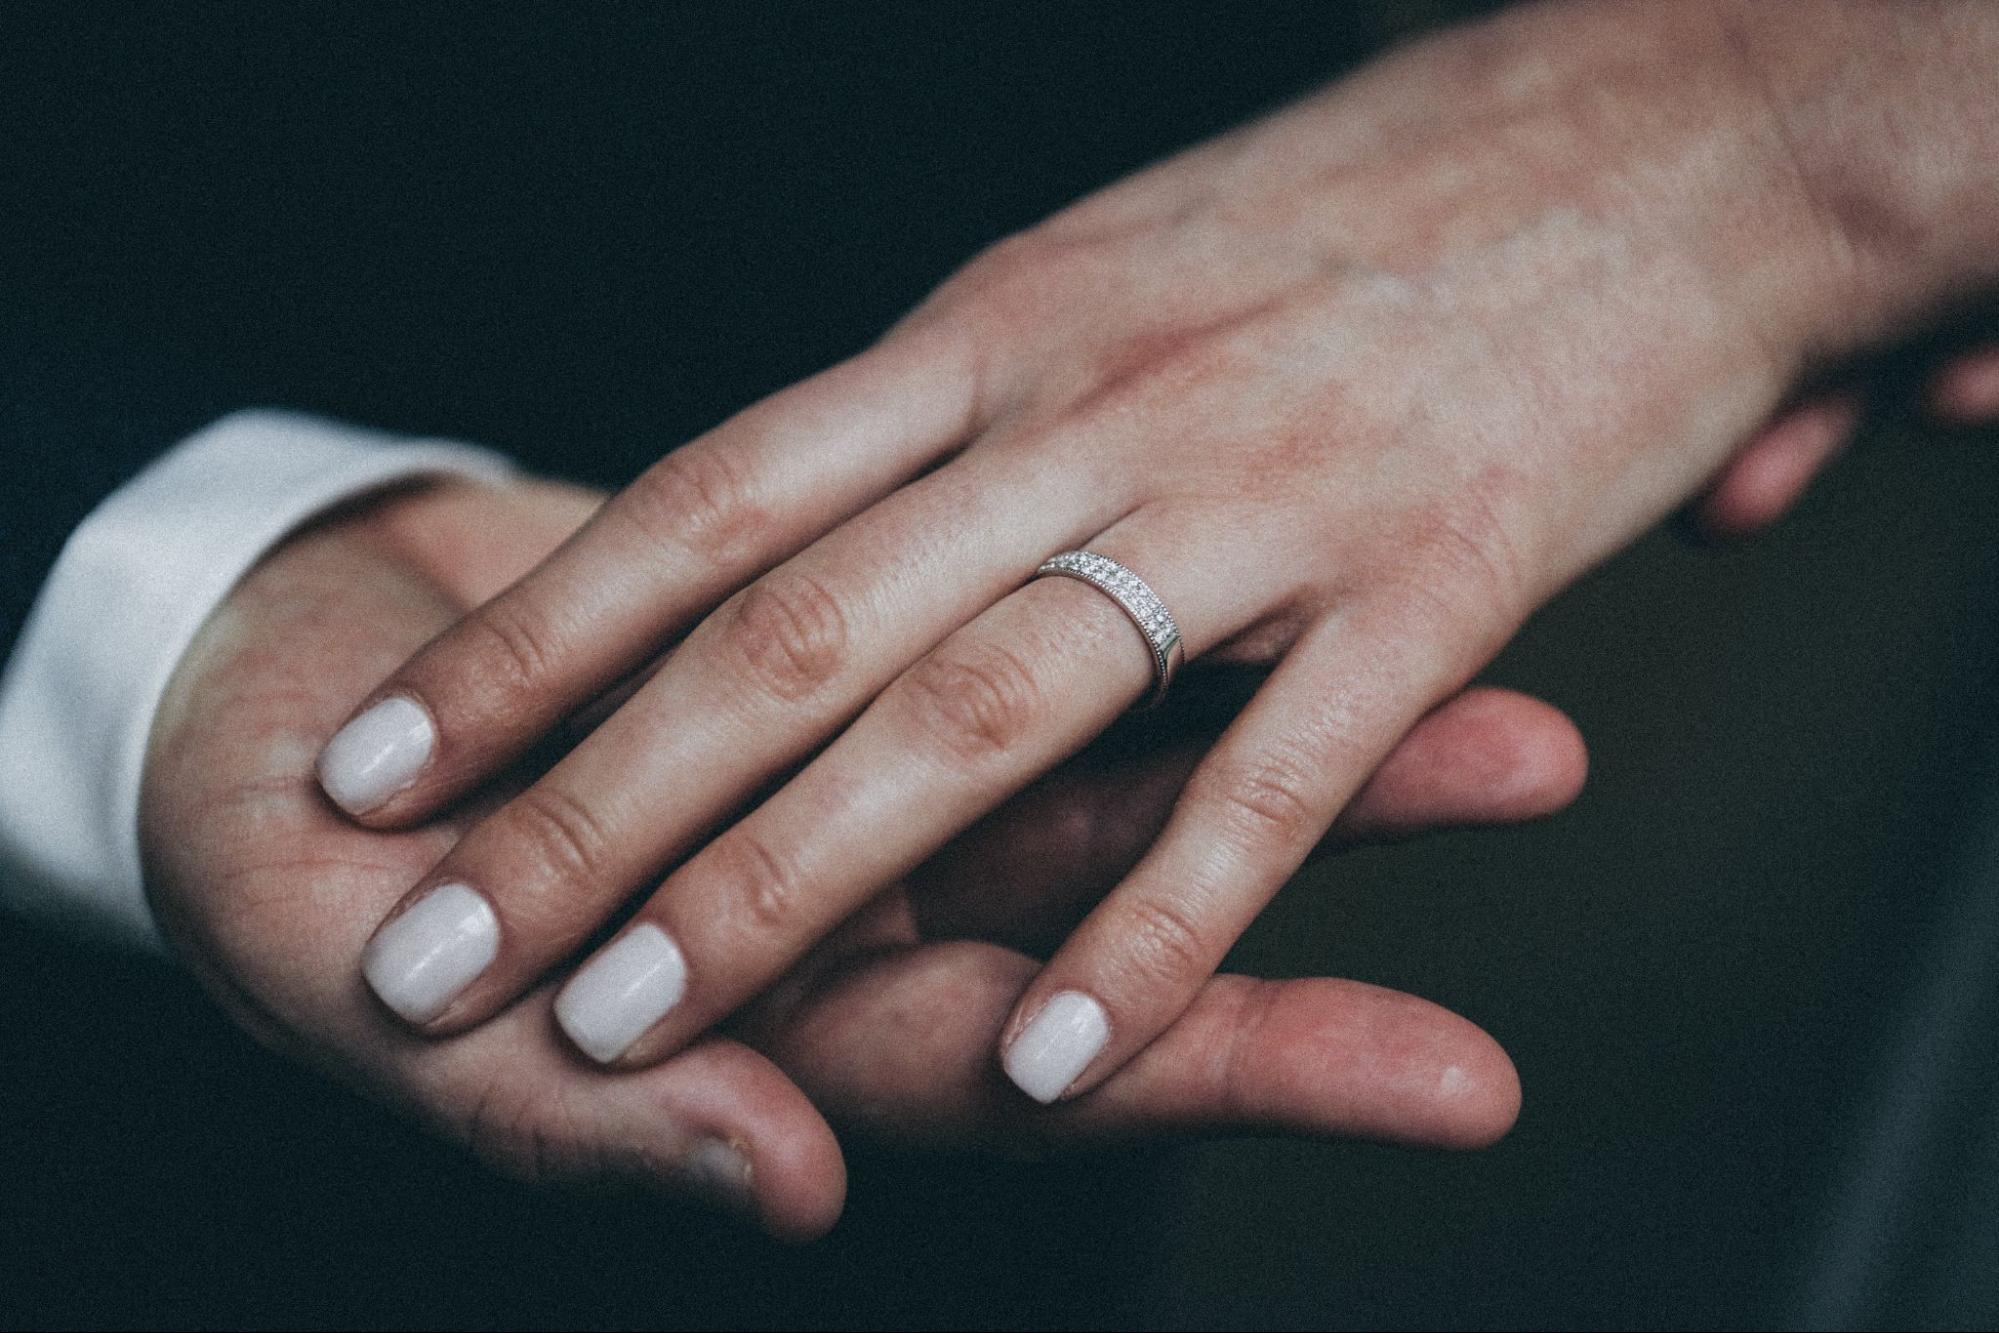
{"type": "Point", "coordinates": [721, 1173]}
{"type": "Point", "coordinates": [621, 992]}
{"type": "Point", "coordinates": [1057, 1046]}
{"type": "Point", "coordinates": [420, 961]}
{"type": "Point", "coordinates": [376, 755]}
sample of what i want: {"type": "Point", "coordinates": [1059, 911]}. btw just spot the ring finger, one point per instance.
{"type": "Point", "coordinates": [1250, 814]}
{"type": "Point", "coordinates": [758, 685]}
{"type": "Point", "coordinates": [991, 708]}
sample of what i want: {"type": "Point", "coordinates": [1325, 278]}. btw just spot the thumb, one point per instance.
{"type": "Point", "coordinates": [269, 895]}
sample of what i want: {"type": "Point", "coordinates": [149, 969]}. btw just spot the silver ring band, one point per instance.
{"type": "Point", "coordinates": [1136, 600]}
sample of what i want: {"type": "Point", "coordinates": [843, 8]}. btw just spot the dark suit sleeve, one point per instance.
{"type": "Point", "coordinates": [81, 410]}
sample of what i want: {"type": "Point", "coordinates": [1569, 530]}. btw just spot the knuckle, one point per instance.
{"type": "Point", "coordinates": [1241, 1059]}
{"type": "Point", "coordinates": [974, 701]}
{"type": "Point", "coordinates": [524, 1137]}
{"type": "Point", "coordinates": [789, 633]}
{"type": "Point", "coordinates": [1008, 262]}
{"type": "Point", "coordinates": [1014, 280]}
{"type": "Point", "coordinates": [1264, 802]}
{"type": "Point", "coordinates": [1163, 944]}
{"type": "Point", "coordinates": [699, 498]}
{"type": "Point", "coordinates": [559, 835]}
{"type": "Point", "coordinates": [516, 651]}
{"type": "Point", "coordinates": [763, 885]}
{"type": "Point", "coordinates": [1463, 561]}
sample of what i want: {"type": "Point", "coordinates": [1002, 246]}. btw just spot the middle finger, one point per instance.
{"type": "Point", "coordinates": [759, 684]}
{"type": "Point", "coordinates": [993, 707]}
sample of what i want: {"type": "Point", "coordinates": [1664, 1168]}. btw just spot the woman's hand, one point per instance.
{"type": "Point", "coordinates": [268, 894]}
{"type": "Point", "coordinates": [1354, 389]}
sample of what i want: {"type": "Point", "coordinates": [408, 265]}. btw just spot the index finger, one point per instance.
{"type": "Point", "coordinates": [694, 527]}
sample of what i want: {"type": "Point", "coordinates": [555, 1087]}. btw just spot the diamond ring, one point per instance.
{"type": "Point", "coordinates": [1136, 600]}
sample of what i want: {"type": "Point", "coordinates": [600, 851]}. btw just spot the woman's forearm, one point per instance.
{"type": "Point", "coordinates": [1891, 111]}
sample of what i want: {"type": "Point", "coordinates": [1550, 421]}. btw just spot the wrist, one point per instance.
{"type": "Point", "coordinates": [1890, 118]}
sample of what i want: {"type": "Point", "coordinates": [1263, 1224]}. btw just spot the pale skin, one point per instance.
{"type": "Point", "coordinates": [1355, 388]}
{"type": "Point", "coordinates": [265, 891]}
{"type": "Point", "coordinates": [256, 880]}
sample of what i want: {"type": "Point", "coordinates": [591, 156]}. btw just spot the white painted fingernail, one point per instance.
{"type": "Point", "coordinates": [1057, 1046]}
{"type": "Point", "coordinates": [420, 961]}
{"type": "Point", "coordinates": [621, 992]}
{"type": "Point", "coordinates": [376, 755]}
{"type": "Point", "coordinates": [720, 1173]}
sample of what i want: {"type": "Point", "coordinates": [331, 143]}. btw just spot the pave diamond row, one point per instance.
{"type": "Point", "coordinates": [1136, 600]}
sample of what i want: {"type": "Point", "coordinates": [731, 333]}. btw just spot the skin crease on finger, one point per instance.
{"type": "Point", "coordinates": [1489, 756]}
{"type": "Point", "coordinates": [1231, 370]}
{"type": "Point", "coordinates": [1356, 1061]}
{"type": "Point", "coordinates": [1381, 372]}
{"type": "Point", "coordinates": [251, 875]}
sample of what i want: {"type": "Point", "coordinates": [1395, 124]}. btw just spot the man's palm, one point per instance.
{"type": "Point", "coordinates": [269, 894]}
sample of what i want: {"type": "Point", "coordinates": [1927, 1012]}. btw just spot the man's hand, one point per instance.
{"type": "Point", "coordinates": [268, 893]}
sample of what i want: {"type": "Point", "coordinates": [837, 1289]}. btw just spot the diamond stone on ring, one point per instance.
{"type": "Point", "coordinates": [1136, 600]}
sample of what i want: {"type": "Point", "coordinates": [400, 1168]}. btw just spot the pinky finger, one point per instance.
{"type": "Point", "coordinates": [1769, 474]}
{"type": "Point", "coordinates": [1251, 813]}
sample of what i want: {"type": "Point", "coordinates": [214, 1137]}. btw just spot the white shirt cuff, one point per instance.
{"type": "Point", "coordinates": [132, 586]}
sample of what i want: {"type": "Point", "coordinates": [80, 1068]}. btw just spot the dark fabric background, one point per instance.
{"type": "Point", "coordinates": [584, 233]}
